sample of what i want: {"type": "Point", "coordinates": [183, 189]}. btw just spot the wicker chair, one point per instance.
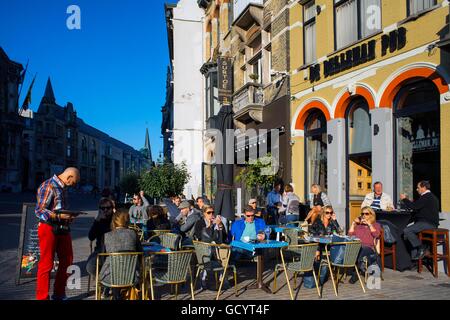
{"type": "Point", "coordinates": [351, 252]}
{"type": "Point", "coordinates": [153, 233]}
{"type": "Point", "coordinates": [122, 271]}
{"type": "Point", "coordinates": [303, 257]}
{"type": "Point", "coordinates": [214, 257]}
{"type": "Point", "coordinates": [168, 240]}
{"type": "Point", "coordinates": [138, 230]}
{"type": "Point", "coordinates": [291, 236]}
{"type": "Point", "coordinates": [178, 266]}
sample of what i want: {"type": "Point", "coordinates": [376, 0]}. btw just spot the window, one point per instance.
{"type": "Point", "coordinates": [316, 149]}
{"type": "Point", "coordinates": [257, 71]}
{"type": "Point", "coordinates": [355, 20]}
{"type": "Point", "coordinates": [69, 133]}
{"type": "Point", "coordinates": [359, 173]}
{"type": "Point", "coordinates": [230, 13]}
{"type": "Point", "coordinates": [69, 151]}
{"type": "Point", "coordinates": [369, 185]}
{"type": "Point", "coordinates": [309, 31]}
{"type": "Point", "coordinates": [416, 6]}
{"type": "Point", "coordinates": [212, 95]}
{"type": "Point", "coordinates": [359, 185]}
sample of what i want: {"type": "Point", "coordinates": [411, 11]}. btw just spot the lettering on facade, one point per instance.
{"type": "Point", "coordinates": [225, 75]}
{"type": "Point", "coordinates": [393, 41]}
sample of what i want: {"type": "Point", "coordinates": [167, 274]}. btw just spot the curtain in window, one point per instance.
{"type": "Point", "coordinates": [416, 6]}
{"type": "Point", "coordinates": [346, 23]}
{"type": "Point", "coordinates": [370, 17]}
{"type": "Point", "coordinates": [360, 140]}
{"type": "Point", "coordinates": [310, 43]}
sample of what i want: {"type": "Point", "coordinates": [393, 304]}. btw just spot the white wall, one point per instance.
{"type": "Point", "coordinates": [188, 83]}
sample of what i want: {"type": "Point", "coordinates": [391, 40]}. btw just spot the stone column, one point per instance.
{"type": "Point", "coordinates": [337, 167]}
{"type": "Point", "coordinates": [383, 149]}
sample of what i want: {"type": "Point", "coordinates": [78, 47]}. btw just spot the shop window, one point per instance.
{"type": "Point", "coordinates": [309, 31]}
{"type": "Point", "coordinates": [316, 149]}
{"type": "Point", "coordinates": [417, 6]}
{"type": "Point", "coordinates": [417, 137]}
{"type": "Point", "coordinates": [355, 20]}
{"type": "Point", "coordinates": [212, 95]}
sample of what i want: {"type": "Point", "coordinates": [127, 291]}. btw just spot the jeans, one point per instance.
{"type": "Point", "coordinates": [410, 234]}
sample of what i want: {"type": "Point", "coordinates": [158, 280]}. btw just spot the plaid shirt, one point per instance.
{"type": "Point", "coordinates": [51, 196]}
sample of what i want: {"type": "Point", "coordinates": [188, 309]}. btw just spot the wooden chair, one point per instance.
{"type": "Point", "coordinates": [303, 257]}
{"type": "Point", "coordinates": [122, 271]}
{"type": "Point", "coordinates": [437, 237]}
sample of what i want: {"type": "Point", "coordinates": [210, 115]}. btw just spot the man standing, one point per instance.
{"type": "Point", "coordinates": [378, 200]}
{"type": "Point", "coordinates": [273, 202]}
{"type": "Point", "coordinates": [54, 233]}
{"type": "Point", "coordinates": [425, 216]}
{"type": "Point", "coordinates": [138, 212]}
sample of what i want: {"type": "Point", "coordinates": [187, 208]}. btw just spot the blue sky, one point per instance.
{"type": "Point", "coordinates": [113, 70]}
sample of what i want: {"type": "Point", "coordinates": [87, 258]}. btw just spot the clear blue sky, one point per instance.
{"type": "Point", "coordinates": [113, 70]}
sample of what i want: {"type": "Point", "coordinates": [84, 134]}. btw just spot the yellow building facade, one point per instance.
{"type": "Point", "coordinates": [370, 98]}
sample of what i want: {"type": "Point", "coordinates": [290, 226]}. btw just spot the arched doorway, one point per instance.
{"type": "Point", "coordinates": [359, 155]}
{"type": "Point", "coordinates": [315, 151]}
{"type": "Point", "coordinates": [417, 137]}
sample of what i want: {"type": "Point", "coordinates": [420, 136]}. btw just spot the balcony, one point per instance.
{"type": "Point", "coordinates": [239, 6]}
{"type": "Point", "coordinates": [248, 103]}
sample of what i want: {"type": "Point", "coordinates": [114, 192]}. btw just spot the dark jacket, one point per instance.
{"type": "Point", "coordinates": [158, 224]}
{"type": "Point", "coordinates": [204, 234]}
{"type": "Point", "coordinates": [97, 232]}
{"type": "Point", "coordinates": [318, 228]}
{"type": "Point", "coordinates": [426, 208]}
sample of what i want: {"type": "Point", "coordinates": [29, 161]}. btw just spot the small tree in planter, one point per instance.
{"type": "Point", "coordinates": [165, 180]}
{"type": "Point", "coordinates": [259, 176]}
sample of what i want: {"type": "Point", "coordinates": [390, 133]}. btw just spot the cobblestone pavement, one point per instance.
{"type": "Point", "coordinates": [407, 285]}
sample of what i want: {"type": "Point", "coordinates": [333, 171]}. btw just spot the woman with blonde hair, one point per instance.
{"type": "Point", "coordinates": [120, 239]}
{"type": "Point", "coordinates": [368, 231]}
{"type": "Point", "coordinates": [327, 223]}
{"type": "Point", "coordinates": [319, 198]}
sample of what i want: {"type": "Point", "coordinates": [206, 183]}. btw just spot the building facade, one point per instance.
{"type": "Point", "coordinates": [370, 99]}
{"type": "Point", "coordinates": [56, 138]}
{"type": "Point", "coordinates": [185, 35]}
{"type": "Point", "coordinates": [11, 125]}
{"type": "Point", "coordinates": [253, 35]}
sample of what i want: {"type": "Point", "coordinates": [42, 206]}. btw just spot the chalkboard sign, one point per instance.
{"type": "Point", "coordinates": [29, 245]}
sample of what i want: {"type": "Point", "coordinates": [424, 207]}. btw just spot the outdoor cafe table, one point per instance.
{"type": "Point", "coordinates": [257, 248]}
{"type": "Point", "coordinates": [279, 229]}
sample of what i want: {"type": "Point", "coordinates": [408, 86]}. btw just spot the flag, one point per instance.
{"type": "Point", "coordinates": [27, 100]}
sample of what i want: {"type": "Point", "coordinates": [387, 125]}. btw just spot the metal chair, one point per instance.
{"type": "Point", "coordinates": [168, 240]}
{"type": "Point", "coordinates": [214, 257]}
{"type": "Point", "coordinates": [303, 256]}
{"type": "Point", "coordinates": [178, 265]}
{"type": "Point", "coordinates": [351, 251]}
{"type": "Point", "coordinates": [122, 271]}
{"type": "Point", "coordinates": [158, 232]}
{"type": "Point", "coordinates": [138, 230]}
{"type": "Point", "coordinates": [291, 236]}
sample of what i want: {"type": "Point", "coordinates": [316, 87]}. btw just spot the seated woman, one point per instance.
{"type": "Point", "coordinates": [120, 239]}
{"type": "Point", "coordinates": [210, 229]}
{"type": "Point", "coordinates": [326, 224]}
{"type": "Point", "coordinates": [368, 231]}
{"type": "Point", "coordinates": [101, 225]}
{"type": "Point", "coordinates": [157, 219]}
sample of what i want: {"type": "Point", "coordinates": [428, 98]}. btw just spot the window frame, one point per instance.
{"type": "Point", "coordinates": [358, 10]}
{"type": "Point", "coordinates": [408, 9]}
{"type": "Point", "coordinates": [305, 24]}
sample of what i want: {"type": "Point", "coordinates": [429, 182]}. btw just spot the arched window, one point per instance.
{"type": "Point", "coordinates": [417, 137]}
{"type": "Point", "coordinates": [359, 155]}
{"type": "Point", "coordinates": [316, 150]}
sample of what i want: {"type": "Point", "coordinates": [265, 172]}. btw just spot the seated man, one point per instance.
{"type": "Point", "coordinates": [378, 200]}
{"type": "Point", "coordinates": [425, 216]}
{"type": "Point", "coordinates": [186, 221]}
{"type": "Point", "coordinates": [247, 229]}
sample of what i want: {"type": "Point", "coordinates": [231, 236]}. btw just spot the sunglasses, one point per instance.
{"type": "Point", "coordinates": [250, 216]}
{"type": "Point", "coordinates": [209, 212]}
{"type": "Point", "coordinates": [105, 208]}
{"type": "Point", "coordinates": [366, 213]}
{"type": "Point", "coordinates": [329, 212]}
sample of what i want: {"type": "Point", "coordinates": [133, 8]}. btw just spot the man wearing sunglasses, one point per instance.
{"type": "Point", "coordinates": [138, 211]}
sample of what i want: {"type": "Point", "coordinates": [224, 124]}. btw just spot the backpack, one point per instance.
{"type": "Point", "coordinates": [389, 232]}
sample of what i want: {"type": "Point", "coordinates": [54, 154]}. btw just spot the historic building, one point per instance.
{"type": "Point", "coordinates": [11, 125]}
{"type": "Point", "coordinates": [370, 98]}
{"type": "Point", "coordinates": [185, 35]}
{"type": "Point", "coordinates": [252, 35]}
{"type": "Point", "coordinates": [57, 138]}
{"type": "Point", "coordinates": [167, 118]}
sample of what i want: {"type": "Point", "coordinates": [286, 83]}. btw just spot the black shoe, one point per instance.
{"type": "Point", "coordinates": [353, 279]}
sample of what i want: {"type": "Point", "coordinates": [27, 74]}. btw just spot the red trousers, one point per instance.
{"type": "Point", "coordinates": [49, 243]}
